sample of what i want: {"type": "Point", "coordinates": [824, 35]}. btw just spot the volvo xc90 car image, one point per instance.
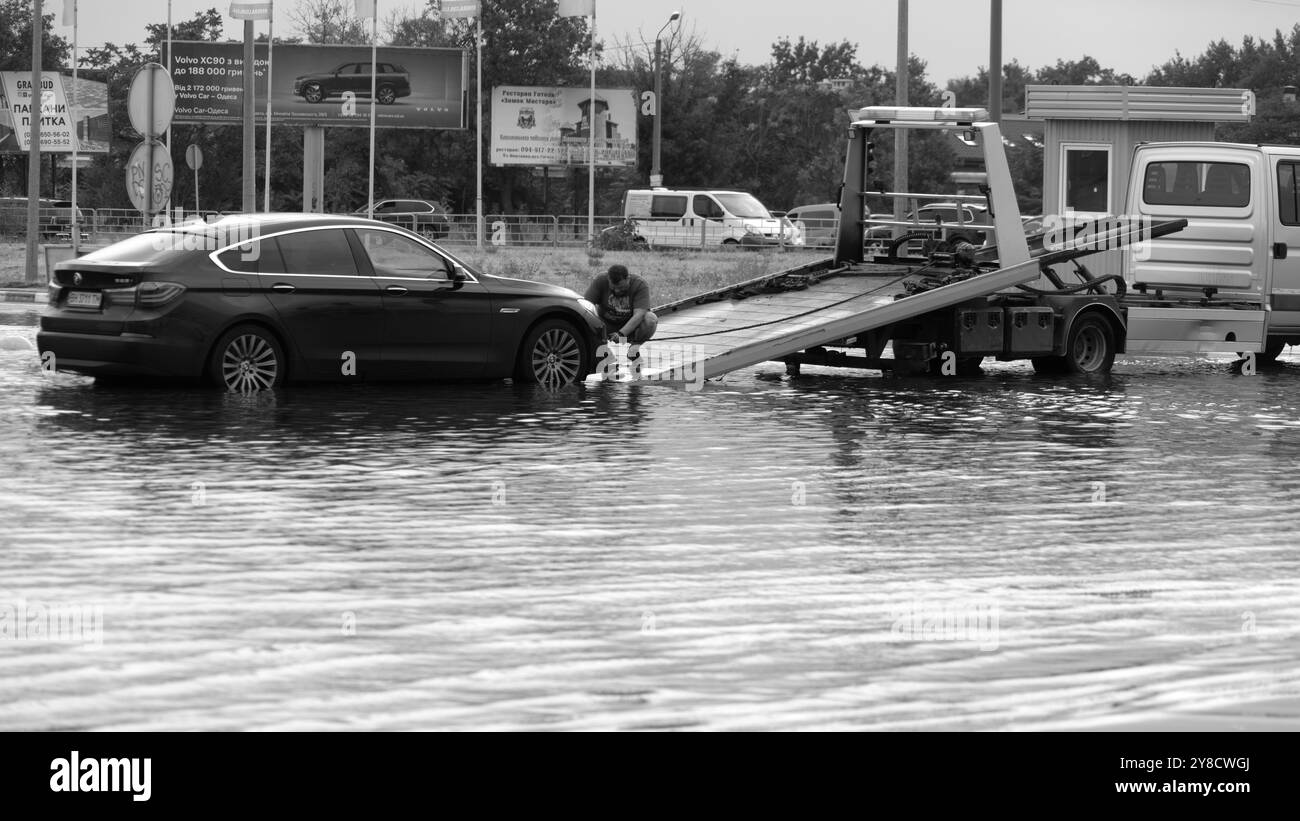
{"type": "Point", "coordinates": [391, 81]}
{"type": "Point", "coordinates": [250, 301]}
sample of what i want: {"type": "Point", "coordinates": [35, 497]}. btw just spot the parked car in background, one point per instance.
{"type": "Point", "coordinates": [936, 221]}
{"type": "Point", "coordinates": [691, 218]}
{"type": "Point", "coordinates": [250, 301]}
{"type": "Point", "coordinates": [53, 216]}
{"type": "Point", "coordinates": [420, 216]}
{"type": "Point", "coordinates": [391, 81]}
{"type": "Point", "coordinates": [818, 223]}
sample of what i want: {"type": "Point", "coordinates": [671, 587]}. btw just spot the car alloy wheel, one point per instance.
{"type": "Point", "coordinates": [552, 356]}
{"type": "Point", "coordinates": [248, 359]}
{"type": "Point", "coordinates": [386, 95]}
{"type": "Point", "coordinates": [312, 93]}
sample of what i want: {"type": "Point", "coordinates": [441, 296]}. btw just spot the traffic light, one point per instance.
{"type": "Point", "coordinates": [871, 159]}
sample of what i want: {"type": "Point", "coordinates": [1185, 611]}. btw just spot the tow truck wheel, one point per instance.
{"type": "Point", "coordinates": [1091, 346]}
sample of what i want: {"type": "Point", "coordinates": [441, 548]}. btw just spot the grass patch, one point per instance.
{"type": "Point", "coordinates": [671, 274]}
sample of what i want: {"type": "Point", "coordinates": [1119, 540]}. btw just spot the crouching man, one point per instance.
{"type": "Point", "coordinates": [623, 302]}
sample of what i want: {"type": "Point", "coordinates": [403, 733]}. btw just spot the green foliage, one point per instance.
{"type": "Point", "coordinates": [776, 129]}
{"type": "Point", "coordinates": [16, 38]}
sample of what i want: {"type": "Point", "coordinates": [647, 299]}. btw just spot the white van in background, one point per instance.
{"type": "Point", "coordinates": [688, 218]}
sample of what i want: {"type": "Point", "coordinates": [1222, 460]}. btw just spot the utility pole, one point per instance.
{"type": "Point", "coordinates": [250, 132]}
{"type": "Point", "coordinates": [900, 134]}
{"type": "Point", "coordinates": [34, 153]}
{"type": "Point", "coordinates": [995, 62]}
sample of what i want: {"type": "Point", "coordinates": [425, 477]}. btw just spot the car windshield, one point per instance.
{"type": "Point", "coordinates": [744, 205]}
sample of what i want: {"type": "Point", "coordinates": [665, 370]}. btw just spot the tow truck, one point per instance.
{"type": "Point", "coordinates": [1016, 297]}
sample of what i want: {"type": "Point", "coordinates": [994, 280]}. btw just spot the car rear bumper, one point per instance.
{"type": "Point", "coordinates": [122, 355]}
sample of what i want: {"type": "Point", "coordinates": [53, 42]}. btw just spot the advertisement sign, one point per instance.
{"type": "Point", "coordinates": [458, 8]}
{"type": "Point", "coordinates": [322, 85]}
{"type": "Point", "coordinates": [550, 126]}
{"type": "Point", "coordinates": [51, 105]}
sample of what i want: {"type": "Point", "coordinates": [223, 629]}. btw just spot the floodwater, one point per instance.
{"type": "Point", "coordinates": [838, 551]}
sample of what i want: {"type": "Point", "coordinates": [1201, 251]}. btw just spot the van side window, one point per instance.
{"type": "Point", "coordinates": [705, 206]}
{"type": "Point", "coordinates": [1203, 184]}
{"type": "Point", "coordinates": [1288, 193]}
{"type": "Point", "coordinates": [663, 206]}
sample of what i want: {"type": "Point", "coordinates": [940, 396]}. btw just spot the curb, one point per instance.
{"type": "Point", "coordinates": [29, 297]}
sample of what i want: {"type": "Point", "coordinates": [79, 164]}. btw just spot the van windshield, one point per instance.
{"type": "Point", "coordinates": [743, 205]}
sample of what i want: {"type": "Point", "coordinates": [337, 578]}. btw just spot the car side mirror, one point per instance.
{"type": "Point", "coordinates": [458, 277]}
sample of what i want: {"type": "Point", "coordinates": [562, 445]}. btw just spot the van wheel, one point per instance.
{"type": "Point", "coordinates": [1090, 348]}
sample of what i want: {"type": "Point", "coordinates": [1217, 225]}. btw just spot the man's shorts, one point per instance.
{"type": "Point", "coordinates": [643, 332]}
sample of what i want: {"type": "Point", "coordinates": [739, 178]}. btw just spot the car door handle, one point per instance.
{"type": "Point", "coordinates": [1279, 250]}
{"type": "Point", "coordinates": [283, 288]}
{"type": "Point", "coordinates": [396, 289]}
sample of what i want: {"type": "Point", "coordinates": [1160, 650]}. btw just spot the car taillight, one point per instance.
{"type": "Point", "coordinates": [156, 294]}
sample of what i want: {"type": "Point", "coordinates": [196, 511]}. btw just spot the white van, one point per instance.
{"type": "Point", "coordinates": [688, 218]}
{"type": "Point", "coordinates": [1242, 241]}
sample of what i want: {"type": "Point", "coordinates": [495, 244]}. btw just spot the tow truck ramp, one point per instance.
{"type": "Point", "coordinates": [713, 334]}
{"type": "Point", "coordinates": [823, 303]}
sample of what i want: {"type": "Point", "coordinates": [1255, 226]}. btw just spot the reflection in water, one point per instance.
{"type": "Point", "coordinates": [764, 553]}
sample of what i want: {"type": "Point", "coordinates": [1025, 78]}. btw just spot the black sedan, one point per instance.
{"type": "Point", "coordinates": [250, 301]}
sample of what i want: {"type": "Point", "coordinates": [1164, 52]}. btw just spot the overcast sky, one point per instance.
{"type": "Point", "coordinates": [950, 35]}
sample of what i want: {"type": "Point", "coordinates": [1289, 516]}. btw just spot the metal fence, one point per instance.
{"type": "Point", "coordinates": [100, 226]}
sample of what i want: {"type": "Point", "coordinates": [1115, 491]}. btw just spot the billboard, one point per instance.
{"type": "Point", "coordinates": [550, 126]}
{"type": "Point", "coordinates": [321, 85]}
{"type": "Point", "coordinates": [63, 114]}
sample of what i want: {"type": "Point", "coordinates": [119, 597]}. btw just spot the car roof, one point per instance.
{"type": "Point", "coordinates": [253, 225]}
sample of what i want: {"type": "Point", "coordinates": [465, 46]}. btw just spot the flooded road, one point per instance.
{"type": "Point", "coordinates": [836, 551]}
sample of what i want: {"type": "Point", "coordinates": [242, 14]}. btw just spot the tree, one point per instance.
{"type": "Point", "coordinates": [329, 22]}
{"type": "Point", "coordinates": [973, 92]}
{"type": "Point", "coordinates": [1084, 71]}
{"type": "Point", "coordinates": [805, 62]}
{"type": "Point", "coordinates": [16, 39]}
{"type": "Point", "coordinates": [100, 185]}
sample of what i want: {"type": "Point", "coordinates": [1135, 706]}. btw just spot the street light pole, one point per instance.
{"type": "Point", "coordinates": [656, 173]}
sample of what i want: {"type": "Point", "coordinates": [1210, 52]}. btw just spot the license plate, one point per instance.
{"type": "Point", "coordinates": [85, 299]}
